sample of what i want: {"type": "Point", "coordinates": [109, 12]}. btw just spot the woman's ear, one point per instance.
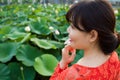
{"type": "Point", "coordinates": [93, 35]}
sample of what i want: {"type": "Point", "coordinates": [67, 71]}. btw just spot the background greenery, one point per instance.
{"type": "Point", "coordinates": [31, 39]}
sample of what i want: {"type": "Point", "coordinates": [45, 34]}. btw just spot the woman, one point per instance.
{"type": "Point", "coordinates": [92, 29]}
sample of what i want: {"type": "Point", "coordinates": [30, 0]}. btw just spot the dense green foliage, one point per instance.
{"type": "Point", "coordinates": [31, 39]}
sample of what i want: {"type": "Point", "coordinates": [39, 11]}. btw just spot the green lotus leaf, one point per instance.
{"type": "Point", "coordinates": [15, 72]}
{"type": "Point", "coordinates": [4, 72]}
{"type": "Point", "coordinates": [45, 64]}
{"type": "Point", "coordinates": [7, 51]}
{"type": "Point", "coordinates": [27, 54]}
{"type": "Point", "coordinates": [15, 35]}
{"type": "Point", "coordinates": [43, 43]}
{"type": "Point", "coordinates": [40, 28]}
{"type": "Point", "coordinates": [118, 51]}
{"type": "Point", "coordinates": [57, 44]}
{"type": "Point", "coordinates": [118, 26]}
{"type": "Point", "coordinates": [18, 72]}
{"type": "Point", "coordinates": [4, 30]}
{"type": "Point", "coordinates": [26, 38]}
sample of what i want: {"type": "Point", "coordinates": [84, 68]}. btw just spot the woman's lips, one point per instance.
{"type": "Point", "coordinates": [67, 41]}
{"type": "Point", "coordinates": [70, 40]}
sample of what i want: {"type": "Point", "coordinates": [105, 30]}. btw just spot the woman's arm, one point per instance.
{"type": "Point", "coordinates": [117, 77]}
{"type": "Point", "coordinates": [62, 68]}
{"type": "Point", "coordinates": [59, 73]}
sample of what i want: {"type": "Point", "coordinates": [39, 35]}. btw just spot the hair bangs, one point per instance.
{"type": "Point", "coordinates": [73, 16]}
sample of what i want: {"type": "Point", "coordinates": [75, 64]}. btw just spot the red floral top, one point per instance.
{"type": "Point", "coordinates": [110, 70]}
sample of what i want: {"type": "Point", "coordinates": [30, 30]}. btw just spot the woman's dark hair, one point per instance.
{"type": "Point", "coordinates": [96, 15]}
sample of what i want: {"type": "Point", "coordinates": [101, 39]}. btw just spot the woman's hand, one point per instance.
{"type": "Point", "coordinates": [68, 55]}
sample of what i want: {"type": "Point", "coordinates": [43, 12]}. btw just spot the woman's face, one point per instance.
{"type": "Point", "coordinates": [78, 39]}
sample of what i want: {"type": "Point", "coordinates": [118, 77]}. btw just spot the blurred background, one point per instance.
{"type": "Point", "coordinates": [4, 2]}
{"type": "Point", "coordinates": [32, 34]}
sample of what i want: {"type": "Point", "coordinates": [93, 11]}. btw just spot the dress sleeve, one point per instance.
{"type": "Point", "coordinates": [118, 76]}
{"type": "Point", "coordinates": [59, 73]}
{"type": "Point", "coordinates": [118, 73]}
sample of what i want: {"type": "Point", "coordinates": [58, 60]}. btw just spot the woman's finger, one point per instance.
{"type": "Point", "coordinates": [65, 52]}
{"type": "Point", "coordinates": [72, 55]}
{"type": "Point", "coordinates": [68, 47]}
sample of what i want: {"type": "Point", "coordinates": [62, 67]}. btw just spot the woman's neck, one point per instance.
{"type": "Point", "coordinates": [93, 57]}
{"type": "Point", "coordinates": [93, 53]}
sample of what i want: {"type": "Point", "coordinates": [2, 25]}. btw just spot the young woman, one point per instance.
{"type": "Point", "coordinates": [92, 29]}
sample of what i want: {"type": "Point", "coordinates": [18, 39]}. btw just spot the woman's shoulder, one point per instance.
{"type": "Point", "coordinates": [112, 64]}
{"type": "Point", "coordinates": [114, 60]}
